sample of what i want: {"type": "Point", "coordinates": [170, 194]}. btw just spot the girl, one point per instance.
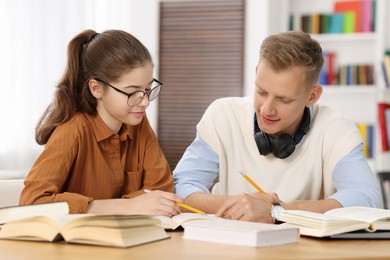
{"type": "Point", "coordinates": [101, 152]}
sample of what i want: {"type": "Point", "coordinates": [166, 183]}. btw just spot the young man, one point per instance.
{"type": "Point", "coordinates": [304, 156]}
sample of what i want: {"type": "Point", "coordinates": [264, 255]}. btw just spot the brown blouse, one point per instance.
{"type": "Point", "coordinates": [84, 160]}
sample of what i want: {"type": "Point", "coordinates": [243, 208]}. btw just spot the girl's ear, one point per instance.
{"type": "Point", "coordinates": [96, 88]}
{"type": "Point", "coordinates": [315, 94]}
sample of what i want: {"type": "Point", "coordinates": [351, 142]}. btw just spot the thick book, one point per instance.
{"type": "Point", "coordinates": [337, 221]}
{"type": "Point", "coordinates": [240, 233]}
{"type": "Point", "coordinates": [17, 212]}
{"type": "Point", "coordinates": [103, 230]}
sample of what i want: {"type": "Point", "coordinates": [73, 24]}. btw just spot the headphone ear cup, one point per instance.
{"type": "Point", "coordinates": [283, 146]}
{"type": "Point", "coordinates": [263, 143]}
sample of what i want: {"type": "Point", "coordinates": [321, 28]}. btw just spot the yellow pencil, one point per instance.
{"type": "Point", "coordinates": [252, 182]}
{"type": "Point", "coordinates": [190, 208]}
{"type": "Point", "coordinates": [185, 206]}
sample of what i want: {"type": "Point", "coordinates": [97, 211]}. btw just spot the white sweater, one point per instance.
{"type": "Point", "coordinates": [228, 127]}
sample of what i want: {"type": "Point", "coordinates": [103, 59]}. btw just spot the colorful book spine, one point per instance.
{"type": "Point", "coordinates": [384, 124]}
{"type": "Point", "coordinates": [366, 15]}
{"type": "Point", "coordinates": [386, 69]}
{"type": "Point", "coordinates": [367, 133]}
{"type": "Point", "coordinates": [350, 16]}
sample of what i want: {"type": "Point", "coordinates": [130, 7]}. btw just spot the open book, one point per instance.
{"type": "Point", "coordinates": [16, 212]}
{"type": "Point", "coordinates": [171, 223]}
{"type": "Point", "coordinates": [104, 230]}
{"type": "Point", "coordinates": [337, 221]}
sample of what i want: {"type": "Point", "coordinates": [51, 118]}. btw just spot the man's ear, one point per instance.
{"type": "Point", "coordinates": [96, 88]}
{"type": "Point", "coordinates": [315, 94]}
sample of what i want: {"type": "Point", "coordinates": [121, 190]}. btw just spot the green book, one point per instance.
{"type": "Point", "coordinates": [349, 22]}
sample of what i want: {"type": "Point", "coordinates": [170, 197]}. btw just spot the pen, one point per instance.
{"type": "Point", "coordinates": [185, 206]}
{"type": "Point", "coordinates": [251, 182]}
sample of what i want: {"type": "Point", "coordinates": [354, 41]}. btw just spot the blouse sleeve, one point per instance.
{"type": "Point", "coordinates": [50, 172]}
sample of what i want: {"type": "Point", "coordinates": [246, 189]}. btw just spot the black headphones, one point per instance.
{"type": "Point", "coordinates": [283, 145]}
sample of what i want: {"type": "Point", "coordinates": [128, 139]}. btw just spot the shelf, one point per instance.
{"type": "Point", "coordinates": [340, 89]}
{"type": "Point", "coordinates": [344, 37]}
{"type": "Point", "coordinates": [359, 103]}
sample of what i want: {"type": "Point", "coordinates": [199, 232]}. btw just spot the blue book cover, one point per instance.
{"type": "Point", "coordinates": [336, 23]}
{"type": "Point", "coordinates": [371, 141]}
{"type": "Point", "coordinates": [323, 80]}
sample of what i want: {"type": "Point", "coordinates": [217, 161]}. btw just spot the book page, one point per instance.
{"type": "Point", "coordinates": [47, 209]}
{"type": "Point", "coordinates": [178, 220]}
{"type": "Point", "coordinates": [365, 214]}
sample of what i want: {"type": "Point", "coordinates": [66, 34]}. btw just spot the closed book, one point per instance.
{"type": "Point", "coordinates": [371, 141]}
{"type": "Point", "coordinates": [315, 23]}
{"type": "Point", "coordinates": [349, 21]}
{"type": "Point", "coordinates": [383, 125]}
{"type": "Point", "coordinates": [324, 18]}
{"type": "Point", "coordinates": [387, 120]}
{"type": "Point", "coordinates": [385, 76]}
{"type": "Point", "coordinates": [336, 23]}
{"type": "Point", "coordinates": [323, 79]}
{"type": "Point", "coordinates": [103, 230]}
{"type": "Point", "coordinates": [240, 233]}
{"type": "Point", "coordinates": [337, 221]}
{"type": "Point", "coordinates": [386, 64]}
{"type": "Point", "coordinates": [331, 70]}
{"type": "Point", "coordinates": [366, 15]}
{"type": "Point", "coordinates": [363, 129]}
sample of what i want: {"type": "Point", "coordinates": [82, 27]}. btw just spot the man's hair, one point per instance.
{"type": "Point", "coordinates": [285, 50]}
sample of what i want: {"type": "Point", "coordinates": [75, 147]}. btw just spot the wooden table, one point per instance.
{"type": "Point", "coordinates": [178, 248]}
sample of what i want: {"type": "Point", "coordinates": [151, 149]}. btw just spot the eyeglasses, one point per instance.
{"type": "Point", "coordinates": [136, 97]}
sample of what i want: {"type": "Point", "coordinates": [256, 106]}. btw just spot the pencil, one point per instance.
{"type": "Point", "coordinates": [185, 206]}
{"type": "Point", "coordinates": [252, 182]}
{"type": "Point", "coordinates": [190, 208]}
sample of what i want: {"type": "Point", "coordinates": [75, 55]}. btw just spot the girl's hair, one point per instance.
{"type": "Point", "coordinates": [90, 55]}
{"type": "Point", "coordinates": [284, 50]}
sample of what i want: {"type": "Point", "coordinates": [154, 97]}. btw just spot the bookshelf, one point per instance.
{"type": "Point", "coordinates": [359, 102]}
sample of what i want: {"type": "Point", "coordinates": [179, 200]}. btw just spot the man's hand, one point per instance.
{"type": "Point", "coordinates": [253, 207]}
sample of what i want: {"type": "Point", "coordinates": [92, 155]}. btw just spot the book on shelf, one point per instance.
{"type": "Point", "coordinates": [367, 13]}
{"type": "Point", "coordinates": [240, 233]}
{"type": "Point", "coordinates": [102, 230]}
{"type": "Point", "coordinates": [328, 73]}
{"type": "Point", "coordinates": [338, 221]}
{"type": "Point", "coordinates": [17, 212]}
{"type": "Point", "coordinates": [384, 125]}
{"type": "Point", "coordinates": [367, 132]}
{"type": "Point", "coordinates": [353, 11]}
{"type": "Point", "coordinates": [356, 74]}
{"type": "Point", "coordinates": [351, 16]}
{"type": "Point", "coordinates": [386, 68]}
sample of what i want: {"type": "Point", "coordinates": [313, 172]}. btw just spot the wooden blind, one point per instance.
{"type": "Point", "coordinates": [201, 59]}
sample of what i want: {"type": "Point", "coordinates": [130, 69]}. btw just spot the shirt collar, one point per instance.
{"type": "Point", "coordinates": [102, 131]}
